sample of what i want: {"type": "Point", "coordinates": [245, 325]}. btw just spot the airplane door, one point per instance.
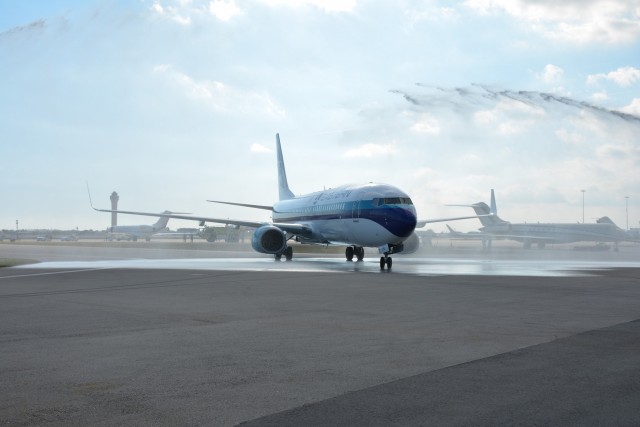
{"type": "Point", "coordinates": [355, 209]}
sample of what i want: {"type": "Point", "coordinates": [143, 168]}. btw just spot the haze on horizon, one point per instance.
{"type": "Point", "coordinates": [172, 102]}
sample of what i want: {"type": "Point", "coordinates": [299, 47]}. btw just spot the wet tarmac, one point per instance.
{"type": "Point", "coordinates": [410, 266]}
{"type": "Point", "coordinates": [119, 336]}
{"type": "Point", "coordinates": [505, 260]}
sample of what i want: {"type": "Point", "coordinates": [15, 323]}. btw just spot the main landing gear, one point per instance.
{"type": "Point", "coordinates": [357, 251]}
{"type": "Point", "coordinates": [288, 254]}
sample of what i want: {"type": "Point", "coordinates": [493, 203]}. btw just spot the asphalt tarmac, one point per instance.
{"type": "Point", "coordinates": [105, 345]}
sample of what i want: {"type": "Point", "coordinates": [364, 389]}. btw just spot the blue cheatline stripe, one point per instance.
{"type": "Point", "coordinates": [399, 221]}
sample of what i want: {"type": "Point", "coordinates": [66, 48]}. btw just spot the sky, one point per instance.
{"type": "Point", "coordinates": [173, 102]}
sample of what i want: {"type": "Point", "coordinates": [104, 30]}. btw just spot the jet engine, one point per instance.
{"type": "Point", "coordinates": [269, 239]}
{"type": "Point", "coordinates": [412, 244]}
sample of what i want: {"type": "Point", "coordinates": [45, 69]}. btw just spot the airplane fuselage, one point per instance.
{"type": "Point", "coordinates": [369, 215]}
{"type": "Point", "coordinates": [132, 229]}
{"type": "Point", "coordinates": [557, 232]}
{"type": "Point", "coordinates": [137, 231]}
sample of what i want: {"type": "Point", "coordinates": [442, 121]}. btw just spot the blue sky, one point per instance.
{"type": "Point", "coordinates": [173, 102]}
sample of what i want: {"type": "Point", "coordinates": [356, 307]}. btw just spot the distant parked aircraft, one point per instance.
{"type": "Point", "coordinates": [135, 232]}
{"type": "Point", "coordinates": [471, 235]}
{"type": "Point", "coordinates": [604, 230]}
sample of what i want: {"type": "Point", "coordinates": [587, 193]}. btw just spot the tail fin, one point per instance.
{"type": "Point", "coordinates": [162, 222]}
{"type": "Point", "coordinates": [487, 215]}
{"type": "Point", "coordinates": [605, 220]}
{"type": "Point", "coordinates": [481, 208]}
{"type": "Point", "coordinates": [484, 212]}
{"type": "Point", "coordinates": [494, 208]}
{"type": "Point", "coordinates": [283, 187]}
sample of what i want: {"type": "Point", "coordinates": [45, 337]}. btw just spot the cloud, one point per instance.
{"type": "Point", "coordinates": [184, 12]}
{"type": "Point", "coordinates": [633, 108]}
{"type": "Point", "coordinates": [426, 124]}
{"type": "Point", "coordinates": [224, 10]}
{"type": "Point", "coordinates": [171, 12]}
{"type": "Point", "coordinates": [371, 150]}
{"type": "Point", "coordinates": [326, 5]}
{"type": "Point", "coordinates": [510, 116]}
{"type": "Point", "coordinates": [552, 74]}
{"type": "Point", "coordinates": [625, 76]}
{"type": "Point", "coordinates": [573, 21]}
{"type": "Point", "coordinates": [259, 148]}
{"type": "Point", "coordinates": [573, 138]}
{"type": "Point", "coordinates": [220, 96]}
{"type": "Point", "coordinates": [600, 96]}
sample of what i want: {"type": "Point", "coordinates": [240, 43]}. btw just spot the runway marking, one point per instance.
{"type": "Point", "coordinates": [55, 272]}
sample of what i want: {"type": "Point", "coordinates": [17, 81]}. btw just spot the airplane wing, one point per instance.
{"type": "Point", "coordinates": [189, 217]}
{"type": "Point", "coordinates": [296, 229]}
{"type": "Point", "coordinates": [291, 228]}
{"type": "Point", "coordinates": [423, 222]}
{"type": "Point", "coordinates": [245, 205]}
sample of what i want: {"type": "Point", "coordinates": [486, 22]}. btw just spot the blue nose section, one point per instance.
{"type": "Point", "coordinates": [401, 221]}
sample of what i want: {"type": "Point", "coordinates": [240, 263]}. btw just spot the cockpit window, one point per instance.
{"type": "Point", "coordinates": [392, 201]}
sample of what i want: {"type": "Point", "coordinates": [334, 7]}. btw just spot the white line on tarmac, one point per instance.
{"type": "Point", "coordinates": [54, 272]}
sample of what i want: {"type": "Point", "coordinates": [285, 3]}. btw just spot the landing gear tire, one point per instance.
{"type": "Point", "coordinates": [288, 253]}
{"type": "Point", "coordinates": [359, 252]}
{"type": "Point", "coordinates": [349, 253]}
{"type": "Point", "coordinates": [385, 261]}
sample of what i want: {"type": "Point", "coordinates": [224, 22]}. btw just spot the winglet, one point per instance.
{"type": "Point", "coordinates": [284, 192]}
{"type": "Point", "coordinates": [89, 192]}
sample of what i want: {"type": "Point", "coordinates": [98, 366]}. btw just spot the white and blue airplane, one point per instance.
{"type": "Point", "coordinates": [356, 216]}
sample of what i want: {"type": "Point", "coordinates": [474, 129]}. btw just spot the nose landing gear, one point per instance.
{"type": "Point", "coordinates": [385, 260]}
{"type": "Point", "coordinates": [387, 250]}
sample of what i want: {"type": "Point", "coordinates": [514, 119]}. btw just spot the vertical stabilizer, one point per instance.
{"type": "Point", "coordinates": [494, 208]}
{"type": "Point", "coordinates": [494, 219]}
{"type": "Point", "coordinates": [162, 222]}
{"type": "Point", "coordinates": [488, 215]}
{"type": "Point", "coordinates": [283, 187]}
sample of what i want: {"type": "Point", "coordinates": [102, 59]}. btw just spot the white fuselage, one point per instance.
{"type": "Point", "coordinates": [369, 215]}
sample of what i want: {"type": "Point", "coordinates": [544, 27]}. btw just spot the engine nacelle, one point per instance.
{"type": "Point", "coordinates": [412, 244]}
{"type": "Point", "coordinates": [269, 239]}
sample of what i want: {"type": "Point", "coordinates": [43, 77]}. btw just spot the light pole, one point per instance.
{"type": "Point", "coordinates": [583, 191]}
{"type": "Point", "coordinates": [626, 206]}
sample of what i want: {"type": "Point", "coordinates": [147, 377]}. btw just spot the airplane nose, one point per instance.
{"type": "Point", "coordinates": [404, 222]}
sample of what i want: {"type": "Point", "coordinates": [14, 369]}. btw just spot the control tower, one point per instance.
{"type": "Point", "coordinates": [114, 207]}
